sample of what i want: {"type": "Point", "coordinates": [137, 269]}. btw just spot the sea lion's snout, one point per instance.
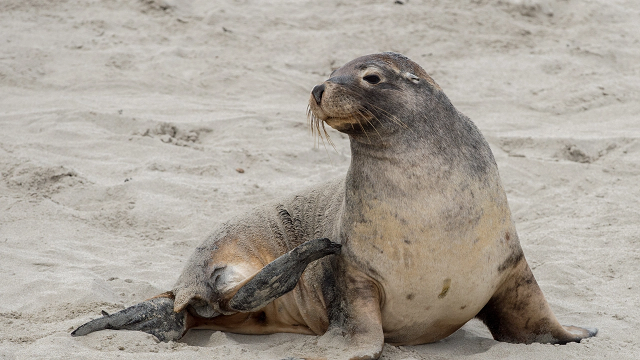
{"type": "Point", "coordinates": [338, 102]}
{"type": "Point", "coordinates": [317, 92]}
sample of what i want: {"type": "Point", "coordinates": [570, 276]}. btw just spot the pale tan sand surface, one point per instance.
{"type": "Point", "coordinates": [122, 124]}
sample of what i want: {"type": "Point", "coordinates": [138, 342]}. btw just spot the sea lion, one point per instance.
{"type": "Point", "coordinates": [415, 241]}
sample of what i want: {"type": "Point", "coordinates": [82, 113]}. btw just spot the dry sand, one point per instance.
{"type": "Point", "coordinates": [122, 124]}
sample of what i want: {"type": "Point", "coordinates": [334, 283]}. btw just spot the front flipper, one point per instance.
{"type": "Point", "coordinates": [355, 330]}
{"type": "Point", "coordinates": [519, 313]}
{"type": "Point", "coordinates": [154, 316]}
{"type": "Point", "coordinates": [280, 276]}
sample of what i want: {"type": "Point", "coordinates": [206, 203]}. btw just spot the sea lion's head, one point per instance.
{"type": "Point", "coordinates": [375, 95]}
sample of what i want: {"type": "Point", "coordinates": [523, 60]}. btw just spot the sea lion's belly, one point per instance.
{"type": "Point", "coordinates": [436, 267]}
{"type": "Point", "coordinates": [428, 300]}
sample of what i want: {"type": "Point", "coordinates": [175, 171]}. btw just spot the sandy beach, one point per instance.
{"type": "Point", "coordinates": [129, 129]}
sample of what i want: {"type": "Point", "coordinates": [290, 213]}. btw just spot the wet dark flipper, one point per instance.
{"type": "Point", "coordinates": [281, 275]}
{"type": "Point", "coordinates": [154, 316]}
{"type": "Point", "coordinates": [157, 316]}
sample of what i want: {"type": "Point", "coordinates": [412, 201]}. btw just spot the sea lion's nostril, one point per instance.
{"type": "Point", "coordinates": [317, 92]}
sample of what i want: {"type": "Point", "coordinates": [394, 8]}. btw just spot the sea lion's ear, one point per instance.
{"type": "Point", "coordinates": [412, 77]}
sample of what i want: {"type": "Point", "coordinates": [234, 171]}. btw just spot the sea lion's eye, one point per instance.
{"type": "Point", "coordinates": [372, 79]}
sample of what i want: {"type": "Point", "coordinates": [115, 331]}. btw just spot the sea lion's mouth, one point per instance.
{"type": "Point", "coordinates": [346, 122]}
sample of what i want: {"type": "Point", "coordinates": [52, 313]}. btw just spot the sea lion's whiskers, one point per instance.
{"type": "Point", "coordinates": [317, 131]}
{"type": "Point", "coordinates": [314, 127]}
{"type": "Point", "coordinates": [315, 124]}
{"type": "Point", "coordinates": [364, 117]}
{"type": "Point", "coordinates": [391, 117]}
{"type": "Point", "coordinates": [311, 118]}
{"type": "Point", "coordinates": [328, 137]}
{"type": "Point", "coordinates": [368, 114]}
{"type": "Point", "coordinates": [364, 131]}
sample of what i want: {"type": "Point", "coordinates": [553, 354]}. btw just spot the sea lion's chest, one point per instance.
{"type": "Point", "coordinates": [434, 255]}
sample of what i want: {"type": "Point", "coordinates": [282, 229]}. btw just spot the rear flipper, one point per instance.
{"type": "Point", "coordinates": [519, 313]}
{"type": "Point", "coordinates": [154, 316]}
{"type": "Point", "coordinates": [280, 276]}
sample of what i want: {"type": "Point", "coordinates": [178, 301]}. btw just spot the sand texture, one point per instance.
{"type": "Point", "coordinates": [124, 123]}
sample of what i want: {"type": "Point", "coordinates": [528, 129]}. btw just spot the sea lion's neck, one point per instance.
{"type": "Point", "coordinates": [410, 160]}
{"type": "Point", "coordinates": [405, 189]}
{"type": "Point", "coordinates": [390, 170]}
